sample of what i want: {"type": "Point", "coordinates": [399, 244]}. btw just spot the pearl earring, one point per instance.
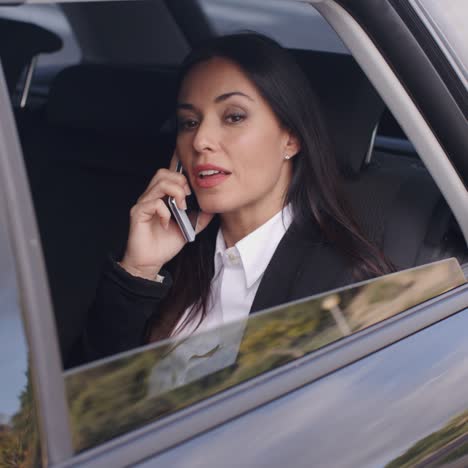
{"type": "Point", "coordinates": [287, 157]}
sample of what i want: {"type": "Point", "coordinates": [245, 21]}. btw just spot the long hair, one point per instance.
{"type": "Point", "coordinates": [315, 192]}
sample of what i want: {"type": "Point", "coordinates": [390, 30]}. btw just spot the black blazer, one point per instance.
{"type": "Point", "coordinates": [302, 265]}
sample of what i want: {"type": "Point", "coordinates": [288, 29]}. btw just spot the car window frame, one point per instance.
{"type": "Point", "coordinates": [39, 322]}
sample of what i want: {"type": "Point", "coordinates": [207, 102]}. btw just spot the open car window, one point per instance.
{"type": "Point", "coordinates": [90, 154]}
{"type": "Point", "coordinates": [122, 393]}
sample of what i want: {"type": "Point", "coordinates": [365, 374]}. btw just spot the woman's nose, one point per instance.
{"type": "Point", "coordinates": [205, 137]}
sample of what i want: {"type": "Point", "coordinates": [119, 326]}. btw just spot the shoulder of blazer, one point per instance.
{"type": "Point", "coordinates": [303, 264]}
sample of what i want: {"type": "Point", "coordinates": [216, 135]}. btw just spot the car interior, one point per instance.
{"type": "Point", "coordinates": [94, 133]}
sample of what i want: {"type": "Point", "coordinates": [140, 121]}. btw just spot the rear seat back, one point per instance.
{"type": "Point", "coordinates": [90, 153]}
{"type": "Point", "coordinates": [394, 198]}
{"type": "Point", "coordinates": [351, 106]}
{"type": "Point", "coordinates": [400, 208]}
{"type": "Point", "coordinates": [29, 41]}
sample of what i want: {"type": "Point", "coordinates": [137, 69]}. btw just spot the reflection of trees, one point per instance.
{"type": "Point", "coordinates": [19, 440]}
{"type": "Point", "coordinates": [108, 401]}
{"type": "Point", "coordinates": [113, 398]}
{"type": "Point", "coordinates": [430, 450]}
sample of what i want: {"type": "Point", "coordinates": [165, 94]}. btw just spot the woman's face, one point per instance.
{"type": "Point", "coordinates": [230, 142]}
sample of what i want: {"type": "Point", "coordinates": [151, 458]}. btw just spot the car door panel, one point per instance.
{"type": "Point", "coordinates": [366, 414]}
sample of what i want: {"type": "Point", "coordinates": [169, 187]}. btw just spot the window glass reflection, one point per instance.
{"type": "Point", "coordinates": [118, 394]}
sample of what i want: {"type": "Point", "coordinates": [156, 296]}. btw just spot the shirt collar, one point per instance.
{"type": "Point", "coordinates": [256, 249]}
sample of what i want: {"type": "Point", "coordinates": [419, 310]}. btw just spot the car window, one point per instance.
{"type": "Point", "coordinates": [118, 394]}
{"type": "Point", "coordinates": [90, 155]}
{"type": "Point", "coordinates": [275, 19]}
{"type": "Point", "coordinates": [18, 424]}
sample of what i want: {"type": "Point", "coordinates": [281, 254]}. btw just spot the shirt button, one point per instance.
{"type": "Point", "coordinates": [233, 258]}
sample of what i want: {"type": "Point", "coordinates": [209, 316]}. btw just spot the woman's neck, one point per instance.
{"type": "Point", "coordinates": [237, 225]}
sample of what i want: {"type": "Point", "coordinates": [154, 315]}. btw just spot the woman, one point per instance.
{"type": "Point", "coordinates": [273, 225]}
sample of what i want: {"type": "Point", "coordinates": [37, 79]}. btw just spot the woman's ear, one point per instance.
{"type": "Point", "coordinates": [292, 145]}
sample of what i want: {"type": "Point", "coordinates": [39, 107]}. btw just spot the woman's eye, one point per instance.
{"type": "Point", "coordinates": [235, 118]}
{"type": "Point", "coordinates": [187, 124]}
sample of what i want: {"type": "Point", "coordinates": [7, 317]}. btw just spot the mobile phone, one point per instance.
{"type": "Point", "coordinates": [186, 219]}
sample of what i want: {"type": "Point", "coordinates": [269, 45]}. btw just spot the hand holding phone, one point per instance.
{"type": "Point", "coordinates": [155, 235]}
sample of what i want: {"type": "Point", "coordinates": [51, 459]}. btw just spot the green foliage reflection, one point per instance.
{"type": "Point", "coordinates": [19, 439]}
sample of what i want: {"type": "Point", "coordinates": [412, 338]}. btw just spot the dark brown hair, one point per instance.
{"type": "Point", "coordinates": [315, 191]}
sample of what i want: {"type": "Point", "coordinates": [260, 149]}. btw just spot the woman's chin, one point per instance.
{"type": "Point", "coordinates": [214, 206]}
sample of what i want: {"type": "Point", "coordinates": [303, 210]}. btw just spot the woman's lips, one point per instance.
{"type": "Point", "coordinates": [204, 179]}
{"type": "Point", "coordinates": [211, 181]}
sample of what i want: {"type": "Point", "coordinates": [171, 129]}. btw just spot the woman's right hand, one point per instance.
{"type": "Point", "coordinates": [154, 236]}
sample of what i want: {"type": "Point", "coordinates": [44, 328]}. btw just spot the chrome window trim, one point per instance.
{"type": "Point", "coordinates": [46, 368]}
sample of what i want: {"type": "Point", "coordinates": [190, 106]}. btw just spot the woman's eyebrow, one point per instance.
{"type": "Point", "coordinates": [184, 105]}
{"type": "Point", "coordinates": [225, 96]}
{"type": "Point", "coordinates": [220, 98]}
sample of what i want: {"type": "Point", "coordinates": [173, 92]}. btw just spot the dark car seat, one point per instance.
{"type": "Point", "coordinates": [19, 43]}
{"type": "Point", "coordinates": [394, 198]}
{"type": "Point", "coordinates": [90, 152]}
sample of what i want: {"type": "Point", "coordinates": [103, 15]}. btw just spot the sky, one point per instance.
{"type": "Point", "coordinates": [13, 354]}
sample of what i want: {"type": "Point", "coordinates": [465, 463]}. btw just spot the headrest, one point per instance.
{"type": "Point", "coordinates": [19, 43]}
{"type": "Point", "coordinates": [351, 106]}
{"type": "Point", "coordinates": [111, 99]}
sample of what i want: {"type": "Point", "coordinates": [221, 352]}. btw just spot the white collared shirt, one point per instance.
{"type": "Point", "coordinates": [238, 273]}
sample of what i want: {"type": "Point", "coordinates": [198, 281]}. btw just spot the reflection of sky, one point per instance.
{"type": "Point", "coordinates": [196, 356]}
{"type": "Point", "coordinates": [364, 415]}
{"type": "Point", "coordinates": [13, 357]}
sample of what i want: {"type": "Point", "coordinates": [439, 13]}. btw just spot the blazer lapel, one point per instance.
{"type": "Point", "coordinates": [276, 286]}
